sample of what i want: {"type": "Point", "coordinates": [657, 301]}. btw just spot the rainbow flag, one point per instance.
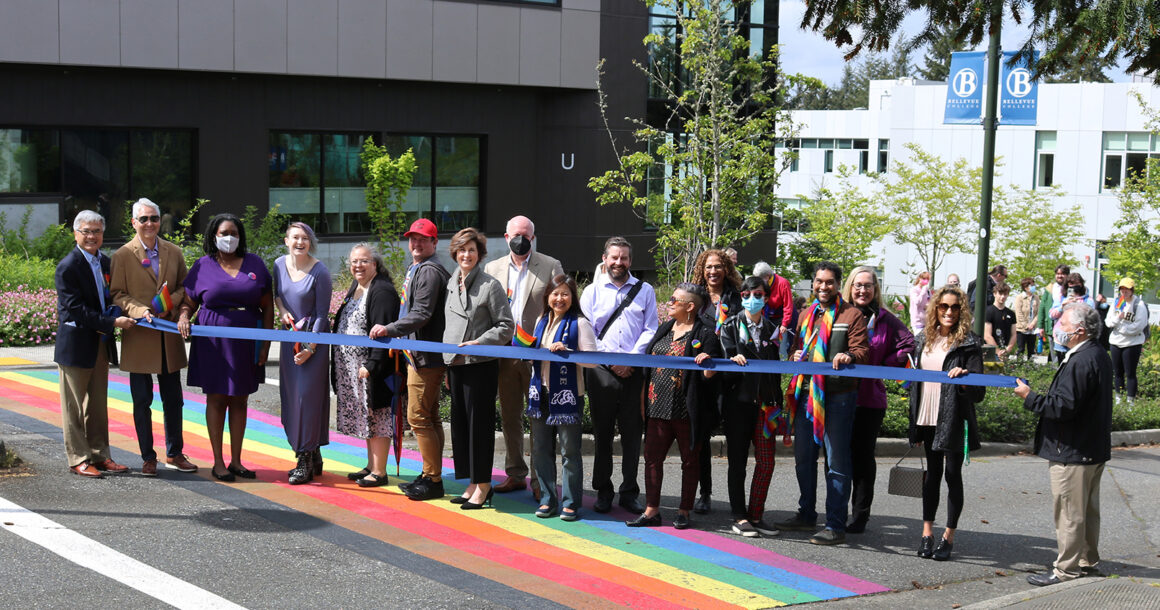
{"type": "Point", "coordinates": [523, 338]}
{"type": "Point", "coordinates": [163, 302]}
{"type": "Point", "coordinates": [722, 313]}
{"type": "Point", "coordinates": [1121, 303]}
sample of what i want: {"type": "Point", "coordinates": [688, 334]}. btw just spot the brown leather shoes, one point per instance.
{"type": "Point", "coordinates": [511, 484]}
{"type": "Point", "coordinates": [86, 469]}
{"type": "Point", "coordinates": [149, 468]}
{"type": "Point", "coordinates": [111, 467]}
{"type": "Point", "coordinates": [180, 463]}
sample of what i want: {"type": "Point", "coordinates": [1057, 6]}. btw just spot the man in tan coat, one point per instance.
{"type": "Point", "coordinates": [524, 275]}
{"type": "Point", "coordinates": [144, 268]}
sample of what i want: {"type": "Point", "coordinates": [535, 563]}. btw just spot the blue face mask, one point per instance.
{"type": "Point", "coordinates": [1033, 289]}
{"type": "Point", "coordinates": [753, 304]}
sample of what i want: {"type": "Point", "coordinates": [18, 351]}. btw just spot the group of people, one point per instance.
{"type": "Point", "coordinates": [524, 298]}
{"type": "Point", "coordinates": [1027, 326]}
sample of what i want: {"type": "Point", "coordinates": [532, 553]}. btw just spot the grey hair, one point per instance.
{"type": "Point", "coordinates": [142, 203]}
{"type": "Point", "coordinates": [380, 266]}
{"type": "Point", "coordinates": [531, 225]}
{"type": "Point", "coordinates": [762, 270]}
{"type": "Point", "coordinates": [84, 217]}
{"type": "Point", "coordinates": [1083, 316]}
{"type": "Point", "coordinates": [696, 291]}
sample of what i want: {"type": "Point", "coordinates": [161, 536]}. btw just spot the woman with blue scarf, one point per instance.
{"type": "Point", "coordinates": [556, 399]}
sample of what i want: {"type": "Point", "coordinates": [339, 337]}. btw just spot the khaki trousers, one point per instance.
{"type": "Point", "coordinates": [514, 377]}
{"type": "Point", "coordinates": [423, 416]}
{"type": "Point", "coordinates": [1076, 490]}
{"type": "Point", "coordinates": [84, 410]}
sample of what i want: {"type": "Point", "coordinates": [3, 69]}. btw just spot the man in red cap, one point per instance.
{"type": "Point", "coordinates": [421, 317]}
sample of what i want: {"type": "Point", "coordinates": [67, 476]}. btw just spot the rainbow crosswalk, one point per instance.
{"type": "Point", "coordinates": [596, 561]}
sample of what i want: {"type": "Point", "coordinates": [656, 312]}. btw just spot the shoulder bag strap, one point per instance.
{"type": "Point", "coordinates": [632, 292]}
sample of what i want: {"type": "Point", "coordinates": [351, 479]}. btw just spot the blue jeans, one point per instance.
{"type": "Point", "coordinates": [840, 409]}
{"type": "Point", "coordinates": [544, 463]}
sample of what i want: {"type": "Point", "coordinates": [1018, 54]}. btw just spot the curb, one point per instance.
{"type": "Point", "coordinates": [1069, 593]}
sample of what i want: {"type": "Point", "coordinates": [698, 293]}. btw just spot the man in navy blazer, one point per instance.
{"type": "Point", "coordinates": [85, 347]}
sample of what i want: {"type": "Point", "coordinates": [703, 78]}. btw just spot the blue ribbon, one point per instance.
{"type": "Point", "coordinates": [862, 371]}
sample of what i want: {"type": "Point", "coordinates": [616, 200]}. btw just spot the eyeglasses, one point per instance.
{"type": "Point", "coordinates": [673, 300]}
{"type": "Point", "coordinates": [145, 219]}
{"type": "Point", "coordinates": [943, 308]}
{"type": "Point", "coordinates": [361, 261]}
{"type": "Point", "coordinates": [90, 232]}
{"type": "Point", "coordinates": [863, 286]}
{"type": "Point", "coordinates": [745, 294]}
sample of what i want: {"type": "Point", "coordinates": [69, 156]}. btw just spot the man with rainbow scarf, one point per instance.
{"type": "Point", "coordinates": [822, 407]}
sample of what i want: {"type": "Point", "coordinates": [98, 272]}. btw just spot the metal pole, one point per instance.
{"type": "Point", "coordinates": [990, 122]}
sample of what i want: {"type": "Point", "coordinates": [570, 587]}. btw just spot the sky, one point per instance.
{"type": "Point", "coordinates": [805, 52]}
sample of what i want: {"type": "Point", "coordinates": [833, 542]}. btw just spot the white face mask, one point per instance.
{"type": "Point", "coordinates": [227, 243]}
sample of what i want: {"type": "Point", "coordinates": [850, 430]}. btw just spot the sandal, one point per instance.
{"type": "Point", "coordinates": [242, 471]}
{"type": "Point", "coordinates": [373, 480]}
{"type": "Point", "coordinates": [354, 476]}
{"type": "Point", "coordinates": [545, 511]}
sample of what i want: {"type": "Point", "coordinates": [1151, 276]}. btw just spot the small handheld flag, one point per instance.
{"type": "Point", "coordinates": [523, 338]}
{"type": "Point", "coordinates": [163, 302]}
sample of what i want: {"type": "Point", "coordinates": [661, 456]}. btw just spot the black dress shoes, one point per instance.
{"type": "Point", "coordinates": [703, 505]}
{"type": "Point", "coordinates": [680, 522]}
{"type": "Point", "coordinates": [602, 505]}
{"type": "Point", "coordinates": [632, 505]}
{"type": "Point", "coordinates": [857, 526]}
{"type": "Point", "coordinates": [942, 552]}
{"type": "Point", "coordinates": [926, 547]}
{"type": "Point", "coordinates": [643, 521]}
{"type": "Point", "coordinates": [426, 489]}
{"type": "Point", "coordinates": [1042, 580]}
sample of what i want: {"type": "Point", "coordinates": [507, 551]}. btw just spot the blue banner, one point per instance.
{"type": "Point", "coordinates": [1018, 93]}
{"type": "Point", "coordinates": [863, 371]}
{"type": "Point", "coordinates": [965, 89]}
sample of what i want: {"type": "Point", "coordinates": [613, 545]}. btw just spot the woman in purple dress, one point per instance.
{"type": "Point", "coordinates": [228, 287]}
{"type": "Point", "coordinates": [302, 291]}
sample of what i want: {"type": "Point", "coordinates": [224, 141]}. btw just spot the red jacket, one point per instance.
{"type": "Point", "coordinates": [780, 299]}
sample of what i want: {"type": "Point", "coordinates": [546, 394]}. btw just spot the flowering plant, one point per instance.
{"type": "Point", "coordinates": [27, 316]}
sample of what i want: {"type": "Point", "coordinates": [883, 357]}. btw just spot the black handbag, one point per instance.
{"type": "Point", "coordinates": [907, 480]}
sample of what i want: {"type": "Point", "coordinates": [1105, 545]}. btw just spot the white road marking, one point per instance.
{"type": "Point", "coordinates": [86, 552]}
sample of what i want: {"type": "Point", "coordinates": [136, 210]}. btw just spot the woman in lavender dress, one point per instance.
{"type": "Point", "coordinates": [302, 292]}
{"type": "Point", "coordinates": [229, 288]}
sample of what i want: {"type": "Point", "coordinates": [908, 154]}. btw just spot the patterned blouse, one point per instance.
{"type": "Point", "coordinates": [666, 397]}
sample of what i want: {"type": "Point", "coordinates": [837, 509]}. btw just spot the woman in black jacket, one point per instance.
{"type": "Point", "coordinates": [749, 400]}
{"type": "Point", "coordinates": [359, 374]}
{"type": "Point", "coordinates": [671, 400]}
{"type": "Point", "coordinates": [715, 272]}
{"type": "Point", "coordinates": [942, 416]}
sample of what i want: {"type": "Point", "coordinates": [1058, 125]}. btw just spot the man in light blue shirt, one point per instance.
{"type": "Point", "coordinates": [623, 312]}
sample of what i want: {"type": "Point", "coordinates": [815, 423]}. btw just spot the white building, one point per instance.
{"type": "Point", "coordinates": [1088, 135]}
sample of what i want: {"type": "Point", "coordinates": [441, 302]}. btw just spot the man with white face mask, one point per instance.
{"type": "Point", "coordinates": [524, 275]}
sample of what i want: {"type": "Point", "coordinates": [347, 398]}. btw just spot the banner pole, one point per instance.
{"type": "Point", "coordinates": [990, 122]}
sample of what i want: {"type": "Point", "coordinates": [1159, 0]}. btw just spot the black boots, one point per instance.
{"type": "Point", "coordinates": [304, 471]}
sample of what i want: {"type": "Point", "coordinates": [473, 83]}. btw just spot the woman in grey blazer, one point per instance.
{"type": "Point", "coordinates": [477, 313]}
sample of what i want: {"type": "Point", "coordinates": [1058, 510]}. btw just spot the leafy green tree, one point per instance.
{"type": "Point", "coordinates": [932, 203]}
{"type": "Point", "coordinates": [1030, 235]}
{"type": "Point", "coordinates": [388, 181]}
{"type": "Point", "coordinates": [706, 177]}
{"type": "Point", "coordinates": [1062, 29]}
{"type": "Point", "coordinates": [936, 62]}
{"type": "Point", "coordinates": [844, 223]}
{"type": "Point", "coordinates": [1133, 248]}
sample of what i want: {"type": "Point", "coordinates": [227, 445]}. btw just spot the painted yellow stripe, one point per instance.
{"type": "Point", "coordinates": [12, 361]}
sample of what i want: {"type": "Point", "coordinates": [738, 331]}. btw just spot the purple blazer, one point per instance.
{"type": "Point", "coordinates": [890, 345]}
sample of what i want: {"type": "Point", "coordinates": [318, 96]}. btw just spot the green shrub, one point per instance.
{"type": "Point", "coordinates": [20, 273]}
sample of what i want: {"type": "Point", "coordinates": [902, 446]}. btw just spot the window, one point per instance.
{"type": "Point", "coordinates": [447, 178]}
{"type": "Point", "coordinates": [1126, 154]}
{"type": "Point", "coordinates": [883, 155]}
{"type": "Point", "coordinates": [792, 220]}
{"type": "Point", "coordinates": [1044, 158]}
{"type": "Point", "coordinates": [863, 161]}
{"type": "Point", "coordinates": [29, 160]}
{"type": "Point", "coordinates": [101, 169]}
{"type": "Point", "coordinates": [316, 178]}
{"type": "Point", "coordinates": [829, 161]}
